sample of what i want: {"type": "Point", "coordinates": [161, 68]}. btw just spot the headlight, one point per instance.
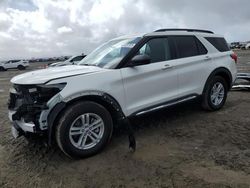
{"type": "Point", "coordinates": [53, 86]}
{"type": "Point", "coordinates": [45, 92]}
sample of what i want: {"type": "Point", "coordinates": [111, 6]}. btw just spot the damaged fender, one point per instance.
{"type": "Point", "coordinates": [56, 105]}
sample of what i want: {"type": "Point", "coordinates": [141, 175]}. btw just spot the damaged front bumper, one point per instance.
{"type": "Point", "coordinates": [21, 125]}
{"type": "Point", "coordinates": [29, 109]}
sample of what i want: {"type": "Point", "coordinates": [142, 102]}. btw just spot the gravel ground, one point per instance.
{"type": "Point", "coordinates": [182, 146]}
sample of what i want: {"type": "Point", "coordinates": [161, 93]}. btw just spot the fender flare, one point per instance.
{"type": "Point", "coordinates": [217, 71]}
{"type": "Point", "coordinates": [101, 96]}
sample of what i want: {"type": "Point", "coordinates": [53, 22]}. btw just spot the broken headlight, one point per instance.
{"type": "Point", "coordinates": [43, 93]}
{"type": "Point", "coordinates": [29, 100]}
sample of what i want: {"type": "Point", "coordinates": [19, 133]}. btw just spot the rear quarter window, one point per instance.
{"type": "Point", "coordinates": [219, 43]}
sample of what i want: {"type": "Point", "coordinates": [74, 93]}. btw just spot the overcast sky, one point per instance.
{"type": "Point", "coordinates": [43, 28]}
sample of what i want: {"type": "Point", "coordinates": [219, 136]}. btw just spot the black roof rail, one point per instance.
{"type": "Point", "coordinates": [188, 30]}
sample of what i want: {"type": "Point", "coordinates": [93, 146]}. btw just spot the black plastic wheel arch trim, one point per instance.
{"type": "Point", "coordinates": [218, 71]}
{"type": "Point", "coordinates": [51, 119]}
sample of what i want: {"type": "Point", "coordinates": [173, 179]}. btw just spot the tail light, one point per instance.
{"type": "Point", "coordinates": [234, 57]}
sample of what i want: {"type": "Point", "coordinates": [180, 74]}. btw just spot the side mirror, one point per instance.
{"type": "Point", "coordinates": [139, 60]}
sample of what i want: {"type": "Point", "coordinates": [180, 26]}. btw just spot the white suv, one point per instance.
{"type": "Point", "coordinates": [71, 61]}
{"type": "Point", "coordinates": [78, 106]}
{"type": "Point", "coordinates": [14, 64]}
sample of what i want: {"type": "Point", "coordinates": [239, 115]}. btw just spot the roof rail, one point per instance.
{"type": "Point", "coordinates": [188, 30]}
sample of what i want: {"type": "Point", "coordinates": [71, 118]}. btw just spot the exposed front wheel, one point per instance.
{"type": "Point", "coordinates": [84, 129]}
{"type": "Point", "coordinates": [215, 94]}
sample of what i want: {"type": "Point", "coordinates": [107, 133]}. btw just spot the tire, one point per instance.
{"type": "Point", "coordinates": [71, 121]}
{"type": "Point", "coordinates": [209, 101]}
{"type": "Point", "coordinates": [2, 69]}
{"type": "Point", "coordinates": [20, 67]}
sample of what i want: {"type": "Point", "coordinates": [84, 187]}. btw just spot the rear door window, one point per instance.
{"type": "Point", "coordinates": [219, 43]}
{"type": "Point", "coordinates": [188, 46]}
{"type": "Point", "coordinates": [201, 48]}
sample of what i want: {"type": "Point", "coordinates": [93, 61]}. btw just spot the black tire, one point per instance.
{"type": "Point", "coordinates": [2, 69]}
{"type": "Point", "coordinates": [69, 116]}
{"type": "Point", "coordinates": [20, 67]}
{"type": "Point", "coordinates": [207, 103]}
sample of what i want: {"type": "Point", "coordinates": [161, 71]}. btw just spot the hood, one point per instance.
{"type": "Point", "coordinates": [45, 75]}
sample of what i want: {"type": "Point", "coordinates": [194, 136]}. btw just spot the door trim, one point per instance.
{"type": "Point", "coordinates": [164, 105]}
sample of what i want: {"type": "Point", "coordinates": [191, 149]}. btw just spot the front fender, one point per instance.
{"type": "Point", "coordinates": [90, 95]}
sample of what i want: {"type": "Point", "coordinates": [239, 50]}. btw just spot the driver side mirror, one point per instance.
{"type": "Point", "coordinates": [139, 60]}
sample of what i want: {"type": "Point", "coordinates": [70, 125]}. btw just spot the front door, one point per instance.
{"type": "Point", "coordinates": [151, 84]}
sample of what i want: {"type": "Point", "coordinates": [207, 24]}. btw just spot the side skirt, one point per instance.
{"type": "Point", "coordinates": [165, 105]}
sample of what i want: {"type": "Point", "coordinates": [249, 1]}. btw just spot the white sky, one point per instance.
{"type": "Point", "coordinates": [43, 28]}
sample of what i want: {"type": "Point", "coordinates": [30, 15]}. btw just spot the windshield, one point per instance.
{"type": "Point", "coordinates": [110, 54]}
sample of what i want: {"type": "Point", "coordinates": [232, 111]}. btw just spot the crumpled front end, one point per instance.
{"type": "Point", "coordinates": [29, 106]}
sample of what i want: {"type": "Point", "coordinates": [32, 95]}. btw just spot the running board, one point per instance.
{"type": "Point", "coordinates": [166, 105]}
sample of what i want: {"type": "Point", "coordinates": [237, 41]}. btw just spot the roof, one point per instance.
{"type": "Point", "coordinates": [162, 32]}
{"type": "Point", "coordinates": [200, 32]}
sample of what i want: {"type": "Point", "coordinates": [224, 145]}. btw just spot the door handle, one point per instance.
{"type": "Point", "coordinates": [167, 66]}
{"type": "Point", "coordinates": [207, 58]}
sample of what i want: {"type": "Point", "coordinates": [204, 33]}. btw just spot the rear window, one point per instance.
{"type": "Point", "coordinates": [219, 43]}
{"type": "Point", "coordinates": [189, 46]}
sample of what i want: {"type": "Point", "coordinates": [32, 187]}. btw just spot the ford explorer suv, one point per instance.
{"type": "Point", "coordinates": [78, 106]}
{"type": "Point", "coordinates": [14, 64]}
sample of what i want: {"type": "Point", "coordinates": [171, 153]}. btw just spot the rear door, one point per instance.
{"type": "Point", "coordinates": [193, 63]}
{"type": "Point", "coordinates": [151, 84]}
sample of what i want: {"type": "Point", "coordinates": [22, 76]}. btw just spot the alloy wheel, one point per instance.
{"type": "Point", "coordinates": [86, 131]}
{"type": "Point", "coordinates": [217, 93]}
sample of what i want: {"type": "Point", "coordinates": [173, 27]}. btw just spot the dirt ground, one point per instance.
{"type": "Point", "coordinates": [179, 147]}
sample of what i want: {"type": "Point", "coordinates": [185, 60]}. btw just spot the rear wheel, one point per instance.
{"type": "Point", "coordinates": [21, 67]}
{"type": "Point", "coordinates": [84, 129]}
{"type": "Point", "coordinates": [215, 94]}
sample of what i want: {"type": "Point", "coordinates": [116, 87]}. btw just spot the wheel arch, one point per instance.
{"type": "Point", "coordinates": [104, 99]}
{"type": "Point", "coordinates": [2, 68]}
{"type": "Point", "coordinates": [224, 73]}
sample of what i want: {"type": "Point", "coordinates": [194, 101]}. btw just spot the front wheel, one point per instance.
{"type": "Point", "coordinates": [84, 129]}
{"type": "Point", "coordinates": [215, 94]}
{"type": "Point", "coordinates": [20, 67]}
